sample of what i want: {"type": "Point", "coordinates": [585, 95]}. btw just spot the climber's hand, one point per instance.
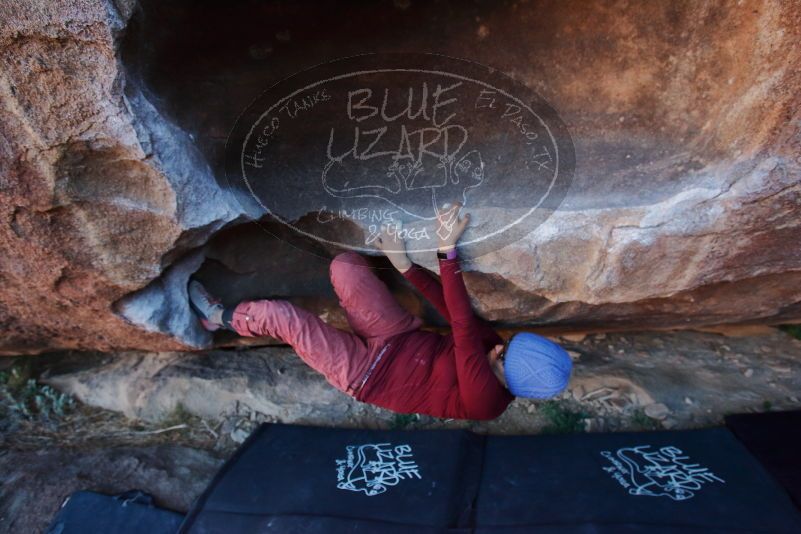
{"type": "Point", "coordinates": [393, 246]}
{"type": "Point", "coordinates": [450, 225]}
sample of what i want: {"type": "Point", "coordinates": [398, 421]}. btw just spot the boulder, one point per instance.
{"type": "Point", "coordinates": [214, 385]}
{"type": "Point", "coordinates": [684, 208]}
{"type": "Point", "coordinates": [100, 195]}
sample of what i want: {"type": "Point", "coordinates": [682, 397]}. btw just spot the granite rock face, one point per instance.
{"type": "Point", "coordinates": [684, 209]}
{"type": "Point", "coordinates": [215, 384]}
{"type": "Point", "coordinates": [99, 193]}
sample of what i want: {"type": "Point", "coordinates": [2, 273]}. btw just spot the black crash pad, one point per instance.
{"type": "Point", "coordinates": [133, 512]}
{"type": "Point", "coordinates": [775, 439]}
{"type": "Point", "coordinates": [300, 479]}
{"type": "Point", "coordinates": [643, 482]}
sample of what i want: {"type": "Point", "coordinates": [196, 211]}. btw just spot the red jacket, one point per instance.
{"type": "Point", "coordinates": [440, 375]}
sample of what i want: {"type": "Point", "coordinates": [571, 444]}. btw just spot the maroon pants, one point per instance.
{"type": "Point", "coordinates": [344, 358]}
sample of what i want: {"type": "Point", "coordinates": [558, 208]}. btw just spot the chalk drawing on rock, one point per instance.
{"type": "Point", "coordinates": [403, 133]}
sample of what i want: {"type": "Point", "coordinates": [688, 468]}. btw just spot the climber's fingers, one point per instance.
{"type": "Point", "coordinates": [463, 222]}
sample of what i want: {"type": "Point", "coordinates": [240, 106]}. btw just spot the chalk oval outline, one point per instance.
{"type": "Point", "coordinates": [350, 74]}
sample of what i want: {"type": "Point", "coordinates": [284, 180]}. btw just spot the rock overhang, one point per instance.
{"type": "Point", "coordinates": [683, 204]}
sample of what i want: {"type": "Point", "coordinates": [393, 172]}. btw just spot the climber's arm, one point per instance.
{"type": "Point", "coordinates": [429, 287]}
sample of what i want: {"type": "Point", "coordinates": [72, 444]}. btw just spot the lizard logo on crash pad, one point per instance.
{"type": "Point", "coordinates": [372, 468]}
{"type": "Point", "coordinates": [664, 472]}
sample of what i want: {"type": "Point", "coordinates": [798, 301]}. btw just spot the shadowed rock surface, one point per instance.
{"type": "Point", "coordinates": [684, 210]}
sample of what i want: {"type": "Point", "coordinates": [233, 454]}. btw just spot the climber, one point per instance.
{"type": "Point", "coordinates": [387, 360]}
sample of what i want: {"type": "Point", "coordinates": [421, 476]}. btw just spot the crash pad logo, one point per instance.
{"type": "Point", "coordinates": [388, 139]}
{"type": "Point", "coordinates": [372, 468]}
{"type": "Point", "coordinates": [664, 472]}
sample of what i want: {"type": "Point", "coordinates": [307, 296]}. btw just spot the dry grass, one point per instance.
{"type": "Point", "coordinates": [88, 427]}
{"type": "Point", "coordinates": [33, 416]}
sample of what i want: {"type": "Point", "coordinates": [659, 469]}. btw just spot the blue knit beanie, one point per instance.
{"type": "Point", "coordinates": [536, 367]}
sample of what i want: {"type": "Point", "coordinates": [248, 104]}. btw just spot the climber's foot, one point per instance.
{"type": "Point", "coordinates": [208, 308]}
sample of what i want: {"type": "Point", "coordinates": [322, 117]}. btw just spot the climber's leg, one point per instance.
{"type": "Point", "coordinates": [340, 356]}
{"type": "Point", "coordinates": [369, 306]}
